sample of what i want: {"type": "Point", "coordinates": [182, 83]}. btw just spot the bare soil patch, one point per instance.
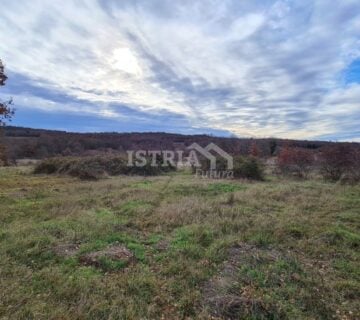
{"type": "Point", "coordinates": [224, 301]}
{"type": "Point", "coordinates": [66, 250]}
{"type": "Point", "coordinates": [113, 253]}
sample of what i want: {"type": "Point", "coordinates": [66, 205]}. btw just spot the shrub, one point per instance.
{"type": "Point", "coordinates": [48, 166]}
{"type": "Point", "coordinates": [244, 167]}
{"type": "Point", "coordinates": [93, 168]}
{"type": "Point", "coordinates": [295, 161]}
{"type": "Point", "coordinates": [248, 167]}
{"type": "Point", "coordinates": [340, 162]}
{"type": "Point", "coordinates": [3, 156]}
{"type": "Point", "coordinates": [254, 150]}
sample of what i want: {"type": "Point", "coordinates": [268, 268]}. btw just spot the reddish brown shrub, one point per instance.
{"type": "Point", "coordinates": [254, 150]}
{"type": "Point", "coordinates": [341, 161]}
{"type": "Point", "coordinates": [295, 161]}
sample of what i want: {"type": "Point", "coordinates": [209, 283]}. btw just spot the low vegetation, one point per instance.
{"type": "Point", "coordinates": [297, 162]}
{"type": "Point", "coordinates": [248, 168]}
{"type": "Point", "coordinates": [177, 247]}
{"type": "Point", "coordinates": [339, 162]}
{"type": "Point", "coordinates": [95, 167]}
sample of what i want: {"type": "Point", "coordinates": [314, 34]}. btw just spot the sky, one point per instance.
{"type": "Point", "coordinates": [247, 68]}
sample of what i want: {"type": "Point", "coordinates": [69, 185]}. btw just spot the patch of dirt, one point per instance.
{"type": "Point", "coordinates": [113, 252]}
{"type": "Point", "coordinates": [235, 307]}
{"type": "Point", "coordinates": [243, 252]}
{"type": "Point", "coordinates": [66, 250]}
{"type": "Point", "coordinates": [224, 303]}
{"type": "Point", "coordinates": [162, 245]}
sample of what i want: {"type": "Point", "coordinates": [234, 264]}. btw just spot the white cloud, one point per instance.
{"type": "Point", "coordinates": [253, 67]}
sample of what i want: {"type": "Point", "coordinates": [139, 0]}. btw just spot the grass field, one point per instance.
{"type": "Point", "coordinates": [195, 249]}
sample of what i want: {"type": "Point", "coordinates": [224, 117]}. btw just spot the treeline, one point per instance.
{"type": "Point", "coordinates": [38, 144]}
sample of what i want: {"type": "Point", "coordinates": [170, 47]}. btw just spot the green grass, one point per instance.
{"type": "Point", "coordinates": [303, 237]}
{"type": "Point", "coordinates": [207, 189]}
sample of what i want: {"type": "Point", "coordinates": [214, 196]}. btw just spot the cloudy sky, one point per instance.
{"type": "Point", "coordinates": [286, 68]}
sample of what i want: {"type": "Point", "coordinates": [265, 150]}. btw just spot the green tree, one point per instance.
{"type": "Point", "coordinates": [6, 110]}
{"type": "Point", "coordinates": [6, 113]}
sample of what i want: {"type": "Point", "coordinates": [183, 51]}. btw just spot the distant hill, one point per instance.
{"type": "Point", "coordinates": [40, 143]}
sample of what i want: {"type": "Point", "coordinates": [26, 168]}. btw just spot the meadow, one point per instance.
{"type": "Point", "coordinates": [176, 247]}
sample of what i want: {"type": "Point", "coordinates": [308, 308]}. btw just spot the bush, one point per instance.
{"type": "Point", "coordinates": [84, 168]}
{"type": "Point", "coordinates": [340, 162]}
{"type": "Point", "coordinates": [48, 166]}
{"type": "Point", "coordinates": [248, 167]}
{"type": "Point", "coordinates": [295, 161]}
{"type": "Point", "coordinates": [244, 167]}
{"type": "Point", "coordinates": [254, 150]}
{"type": "Point", "coordinates": [93, 168]}
{"type": "Point", "coordinates": [3, 157]}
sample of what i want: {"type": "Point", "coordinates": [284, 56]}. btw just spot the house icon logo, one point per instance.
{"type": "Point", "coordinates": [206, 152]}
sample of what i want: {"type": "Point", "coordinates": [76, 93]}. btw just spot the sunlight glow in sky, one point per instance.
{"type": "Point", "coordinates": [124, 60]}
{"type": "Point", "coordinates": [283, 68]}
